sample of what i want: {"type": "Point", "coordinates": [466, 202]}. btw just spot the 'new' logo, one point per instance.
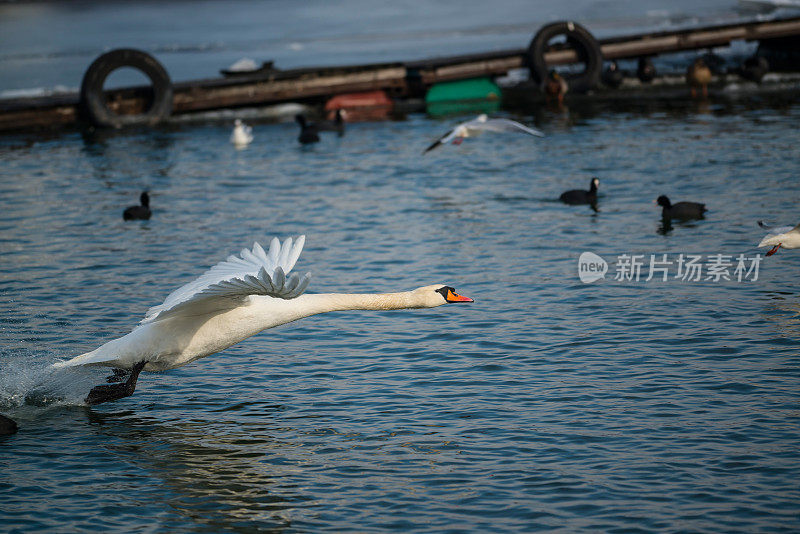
{"type": "Point", "coordinates": [591, 267]}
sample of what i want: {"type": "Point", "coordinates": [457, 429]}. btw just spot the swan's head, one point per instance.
{"type": "Point", "coordinates": [438, 294]}
{"type": "Point", "coordinates": [144, 199]}
{"type": "Point", "coordinates": [664, 202]}
{"type": "Point", "coordinates": [237, 123]}
{"type": "Point", "coordinates": [595, 183]}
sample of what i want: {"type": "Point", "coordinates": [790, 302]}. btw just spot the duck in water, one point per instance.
{"type": "Point", "coordinates": [579, 196]}
{"type": "Point", "coordinates": [555, 87]}
{"type": "Point", "coordinates": [309, 132]}
{"type": "Point", "coordinates": [698, 76]}
{"type": "Point", "coordinates": [141, 212]}
{"type": "Point", "coordinates": [242, 134]}
{"type": "Point", "coordinates": [682, 210]}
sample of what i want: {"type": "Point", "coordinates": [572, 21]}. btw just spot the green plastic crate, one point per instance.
{"type": "Point", "coordinates": [478, 95]}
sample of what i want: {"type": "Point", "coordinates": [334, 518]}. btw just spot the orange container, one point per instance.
{"type": "Point", "coordinates": [368, 106]}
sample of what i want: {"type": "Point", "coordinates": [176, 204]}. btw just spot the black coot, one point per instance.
{"type": "Point", "coordinates": [579, 196]}
{"type": "Point", "coordinates": [309, 133]}
{"type": "Point", "coordinates": [142, 212]}
{"type": "Point", "coordinates": [681, 210]}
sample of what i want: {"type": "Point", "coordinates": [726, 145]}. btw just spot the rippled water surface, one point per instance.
{"type": "Point", "coordinates": [547, 405]}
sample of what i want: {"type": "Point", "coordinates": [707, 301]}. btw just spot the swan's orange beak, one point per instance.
{"type": "Point", "coordinates": [773, 250]}
{"type": "Point", "coordinates": [455, 297]}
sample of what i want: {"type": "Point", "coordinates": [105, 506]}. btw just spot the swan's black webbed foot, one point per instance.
{"type": "Point", "coordinates": [118, 376]}
{"type": "Point", "coordinates": [100, 394]}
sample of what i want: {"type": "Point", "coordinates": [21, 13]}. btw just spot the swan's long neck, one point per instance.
{"type": "Point", "coordinates": [267, 312]}
{"type": "Point", "coordinates": [328, 302]}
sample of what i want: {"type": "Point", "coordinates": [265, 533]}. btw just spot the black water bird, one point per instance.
{"type": "Point", "coordinates": [681, 210]}
{"type": "Point", "coordinates": [579, 196]}
{"type": "Point", "coordinates": [142, 212]}
{"type": "Point", "coordinates": [612, 77]}
{"type": "Point", "coordinates": [309, 132]}
{"type": "Point", "coordinates": [754, 68]}
{"type": "Point", "coordinates": [645, 70]}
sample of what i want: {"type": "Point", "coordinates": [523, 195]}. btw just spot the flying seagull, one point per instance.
{"type": "Point", "coordinates": [480, 124]}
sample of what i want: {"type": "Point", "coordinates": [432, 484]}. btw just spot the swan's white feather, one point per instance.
{"type": "Point", "coordinates": [253, 272]}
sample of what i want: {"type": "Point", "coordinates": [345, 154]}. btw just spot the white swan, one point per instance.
{"type": "Point", "coordinates": [480, 124]}
{"type": "Point", "coordinates": [242, 134]}
{"type": "Point", "coordinates": [232, 301]}
{"type": "Point", "coordinates": [780, 236]}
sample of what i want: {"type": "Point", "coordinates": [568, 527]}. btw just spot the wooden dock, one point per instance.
{"type": "Point", "coordinates": [400, 80]}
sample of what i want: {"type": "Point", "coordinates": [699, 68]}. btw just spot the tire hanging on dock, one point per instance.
{"type": "Point", "coordinates": [93, 101]}
{"type": "Point", "coordinates": [584, 44]}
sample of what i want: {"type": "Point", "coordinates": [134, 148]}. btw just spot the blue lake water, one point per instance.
{"type": "Point", "coordinates": [547, 405]}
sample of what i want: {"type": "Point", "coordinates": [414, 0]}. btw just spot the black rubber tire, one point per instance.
{"type": "Point", "coordinates": [93, 101]}
{"type": "Point", "coordinates": [584, 43]}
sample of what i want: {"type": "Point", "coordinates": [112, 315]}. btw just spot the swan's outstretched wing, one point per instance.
{"type": "Point", "coordinates": [502, 125]}
{"type": "Point", "coordinates": [253, 272]}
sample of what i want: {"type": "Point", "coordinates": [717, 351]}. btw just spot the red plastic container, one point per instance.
{"type": "Point", "coordinates": [368, 106]}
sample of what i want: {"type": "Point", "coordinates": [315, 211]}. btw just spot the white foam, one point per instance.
{"type": "Point", "coordinates": [28, 379]}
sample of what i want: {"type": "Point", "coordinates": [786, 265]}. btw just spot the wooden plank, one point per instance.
{"type": "Point", "coordinates": [38, 118]}
{"type": "Point", "coordinates": [642, 45]}
{"type": "Point", "coordinates": [443, 61]}
{"type": "Point", "coordinates": [200, 98]}
{"type": "Point", "coordinates": [478, 69]}
{"type": "Point", "coordinates": [629, 47]}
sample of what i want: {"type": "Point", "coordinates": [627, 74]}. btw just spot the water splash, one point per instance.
{"type": "Point", "coordinates": [27, 378]}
